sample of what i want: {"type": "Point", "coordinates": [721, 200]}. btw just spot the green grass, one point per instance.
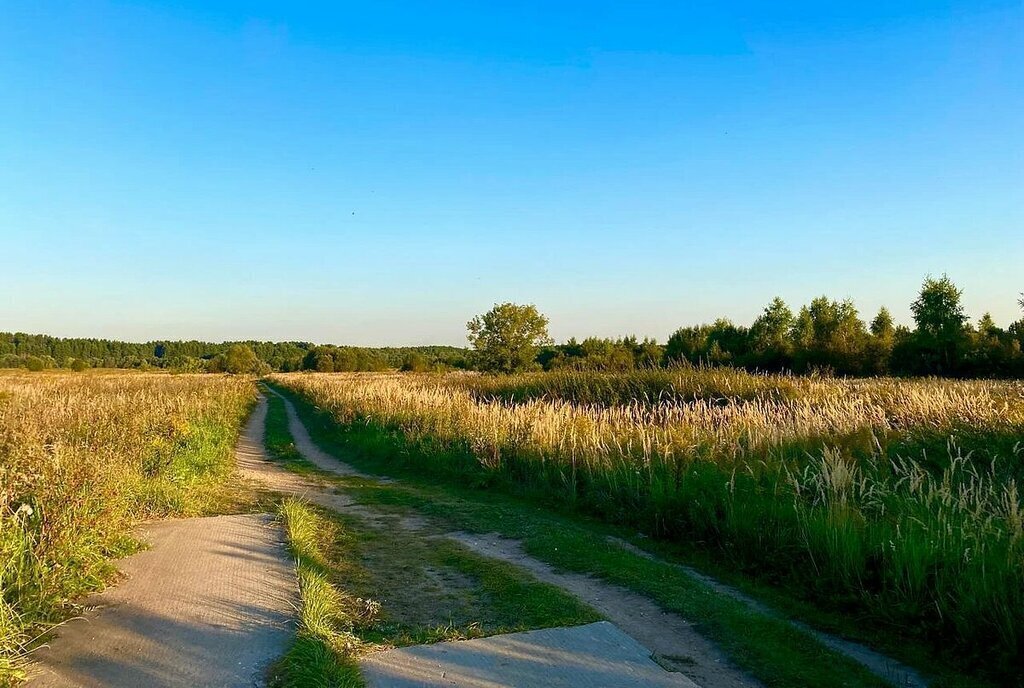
{"type": "Point", "coordinates": [895, 502]}
{"type": "Point", "coordinates": [789, 581]}
{"type": "Point", "coordinates": [431, 589]}
{"type": "Point", "coordinates": [84, 458]}
{"type": "Point", "coordinates": [768, 647]}
{"type": "Point", "coordinates": [38, 592]}
{"type": "Point", "coordinates": [368, 585]}
{"type": "Point", "coordinates": [324, 651]}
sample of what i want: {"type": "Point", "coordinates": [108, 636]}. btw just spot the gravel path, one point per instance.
{"type": "Point", "coordinates": [211, 603]}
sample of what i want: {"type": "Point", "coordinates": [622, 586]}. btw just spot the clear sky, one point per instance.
{"type": "Point", "coordinates": [379, 172]}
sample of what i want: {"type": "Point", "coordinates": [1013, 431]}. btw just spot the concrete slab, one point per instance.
{"type": "Point", "coordinates": [596, 655]}
{"type": "Point", "coordinates": [211, 603]}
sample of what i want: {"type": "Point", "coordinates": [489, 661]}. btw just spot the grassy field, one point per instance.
{"type": "Point", "coordinates": [893, 501]}
{"type": "Point", "coordinates": [83, 458]}
{"type": "Point", "coordinates": [401, 570]}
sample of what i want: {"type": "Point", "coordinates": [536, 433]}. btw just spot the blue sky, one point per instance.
{"type": "Point", "coordinates": [377, 173]}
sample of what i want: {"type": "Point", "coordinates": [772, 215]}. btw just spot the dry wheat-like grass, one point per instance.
{"type": "Point", "coordinates": [83, 457]}
{"type": "Point", "coordinates": [901, 495]}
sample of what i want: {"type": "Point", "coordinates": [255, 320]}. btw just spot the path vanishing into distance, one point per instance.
{"type": "Point", "coordinates": [213, 602]}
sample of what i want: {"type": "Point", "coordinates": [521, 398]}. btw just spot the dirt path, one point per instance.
{"type": "Point", "coordinates": [211, 603]}
{"type": "Point", "coordinates": [672, 641]}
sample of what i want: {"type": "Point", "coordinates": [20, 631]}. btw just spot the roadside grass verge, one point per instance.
{"type": "Point", "coordinates": [432, 589]}
{"type": "Point", "coordinates": [84, 459]}
{"type": "Point", "coordinates": [324, 651]}
{"type": "Point", "coordinates": [365, 588]}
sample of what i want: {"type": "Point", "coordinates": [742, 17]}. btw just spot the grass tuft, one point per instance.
{"type": "Point", "coordinates": [325, 649]}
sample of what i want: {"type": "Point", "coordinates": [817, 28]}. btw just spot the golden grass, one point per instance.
{"type": "Point", "coordinates": [897, 496]}
{"type": "Point", "coordinates": [83, 457]}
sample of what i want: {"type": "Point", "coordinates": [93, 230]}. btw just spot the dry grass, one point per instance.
{"type": "Point", "coordinates": [83, 457]}
{"type": "Point", "coordinates": [898, 498]}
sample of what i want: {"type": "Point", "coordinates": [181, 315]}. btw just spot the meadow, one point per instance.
{"type": "Point", "coordinates": [894, 501]}
{"type": "Point", "coordinates": [83, 459]}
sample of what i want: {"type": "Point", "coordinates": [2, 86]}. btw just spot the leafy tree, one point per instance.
{"type": "Point", "coordinates": [34, 363]}
{"type": "Point", "coordinates": [829, 335]}
{"type": "Point", "coordinates": [508, 336]}
{"type": "Point", "coordinates": [771, 346]}
{"type": "Point", "coordinates": [78, 365]}
{"type": "Point", "coordinates": [941, 324]}
{"type": "Point", "coordinates": [687, 344]}
{"type": "Point", "coordinates": [994, 351]}
{"type": "Point", "coordinates": [883, 326]}
{"type": "Point", "coordinates": [720, 343]}
{"type": "Point", "coordinates": [241, 359]}
{"type": "Point", "coordinates": [879, 347]}
{"type": "Point", "coordinates": [646, 354]}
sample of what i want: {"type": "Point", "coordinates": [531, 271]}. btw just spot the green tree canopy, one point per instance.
{"type": "Point", "coordinates": [241, 359]}
{"type": "Point", "coordinates": [883, 326]}
{"type": "Point", "coordinates": [938, 311]}
{"type": "Point", "coordinates": [771, 343]}
{"type": "Point", "coordinates": [508, 336]}
{"type": "Point", "coordinates": [941, 323]}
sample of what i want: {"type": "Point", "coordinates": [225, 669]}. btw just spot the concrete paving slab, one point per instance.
{"type": "Point", "coordinates": [211, 603]}
{"type": "Point", "coordinates": [596, 655]}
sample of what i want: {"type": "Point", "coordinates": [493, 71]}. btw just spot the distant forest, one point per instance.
{"type": "Point", "coordinates": [37, 352]}
{"type": "Point", "coordinates": [825, 336]}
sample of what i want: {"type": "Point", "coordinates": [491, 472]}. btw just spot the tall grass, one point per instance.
{"type": "Point", "coordinates": [83, 457]}
{"type": "Point", "coordinates": [895, 499]}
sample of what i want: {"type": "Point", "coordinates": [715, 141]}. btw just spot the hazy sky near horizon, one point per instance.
{"type": "Point", "coordinates": [377, 173]}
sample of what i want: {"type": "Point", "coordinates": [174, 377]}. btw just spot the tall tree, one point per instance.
{"type": "Point", "coordinates": [878, 351]}
{"type": "Point", "coordinates": [508, 336]}
{"type": "Point", "coordinates": [830, 335]}
{"type": "Point", "coordinates": [883, 326]}
{"type": "Point", "coordinates": [770, 341]}
{"type": "Point", "coordinates": [941, 323]}
{"type": "Point", "coordinates": [241, 359]}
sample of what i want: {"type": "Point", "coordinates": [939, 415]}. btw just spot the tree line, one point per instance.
{"type": "Point", "coordinates": [39, 352]}
{"type": "Point", "coordinates": [825, 336]}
